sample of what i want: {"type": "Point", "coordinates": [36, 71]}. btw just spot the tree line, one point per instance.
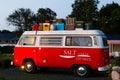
{"type": "Point", "coordinates": [106, 18]}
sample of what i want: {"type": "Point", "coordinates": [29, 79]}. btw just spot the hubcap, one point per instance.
{"type": "Point", "coordinates": [29, 67]}
{"type": "Point", "coordinates": [81, 71]}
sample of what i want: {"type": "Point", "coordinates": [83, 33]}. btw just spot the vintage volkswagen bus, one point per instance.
{"type": "Point", "coordinates": [80, 50]}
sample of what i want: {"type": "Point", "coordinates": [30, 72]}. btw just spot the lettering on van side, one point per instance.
{"type": "Point", "coordinates": [83, 56]}
{"type": "Point", "coordinates": [74, 54]}
{"type": "Point", "coordinates": [68, 54]}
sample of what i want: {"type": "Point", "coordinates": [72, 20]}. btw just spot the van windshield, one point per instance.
{"type": "Point", "coordinates": [27, 40]}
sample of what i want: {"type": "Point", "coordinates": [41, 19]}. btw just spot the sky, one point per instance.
{"type": "Point", "coordinates": [62, 8]}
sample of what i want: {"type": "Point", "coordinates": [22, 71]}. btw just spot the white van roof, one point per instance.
{"type": "Point", "coordinates": [65, 32]}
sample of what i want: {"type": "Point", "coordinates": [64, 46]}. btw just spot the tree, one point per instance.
{"type": "Point", "coordinates": [45, 14]}
{"type": "Point", "coordinates": [25, 18]}
{"type": "Point", "coordinates": [22, 18]}
{"type": "Point", "coordinates": [115, 22]}
{"type": "Point", "coordinates": [85, 10]}
{"type": "Point", "coordinates": [109, 19]}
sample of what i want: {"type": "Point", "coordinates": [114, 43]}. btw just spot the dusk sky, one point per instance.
{"type": "Point", "coordinates": [62, 8]}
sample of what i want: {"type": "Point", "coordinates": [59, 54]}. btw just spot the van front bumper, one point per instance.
{"type": "Point", "coordinates": [106, 68]}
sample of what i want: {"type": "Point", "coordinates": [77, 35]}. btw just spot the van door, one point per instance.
{"type": "Point", "coordinates": [25, 48]}
{"type": "Point", "coordinates": [51, 49]}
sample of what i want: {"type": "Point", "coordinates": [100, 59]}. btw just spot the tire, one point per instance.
{"type": "Point", "coordinates": [29, 66]}
{"type": "Point", "coordinates": [82, 71]}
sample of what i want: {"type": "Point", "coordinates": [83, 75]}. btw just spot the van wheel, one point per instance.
{"type": "Point", "coordinates": [82, 71]}
{"type": "Point", "coordinates": [29, 66]}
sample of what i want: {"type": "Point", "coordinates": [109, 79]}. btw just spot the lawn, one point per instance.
{"type": "Point", "coordinates": [5, 60]}
{"type": "Point", "coordinates": [6, 56]}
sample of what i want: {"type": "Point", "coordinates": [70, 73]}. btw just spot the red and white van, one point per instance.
{"type": "Point", "coordinates": [81, 50]}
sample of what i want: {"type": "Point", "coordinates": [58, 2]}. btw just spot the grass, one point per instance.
{"type": "Point", "coordinates": [6, 56]}
{"type": "Point", "coordinates": [2, 78]}
{"type": "Point", "coordinates": [5, 60]}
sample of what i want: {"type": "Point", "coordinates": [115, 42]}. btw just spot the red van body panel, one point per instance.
{"type": "Point", "coordinates": [62, 57]}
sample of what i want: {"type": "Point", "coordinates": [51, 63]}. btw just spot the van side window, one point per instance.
{"type": "Point", "coordinates": [68, 41]}
{"type": "Point", "coordinates": [79, 41]}
{"type": "Point", "coordinates": [105, 41]}
{"type": "Point", "coordinates": [51, 41]}
{"type": "Point", "coordinates": [27, 40]}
